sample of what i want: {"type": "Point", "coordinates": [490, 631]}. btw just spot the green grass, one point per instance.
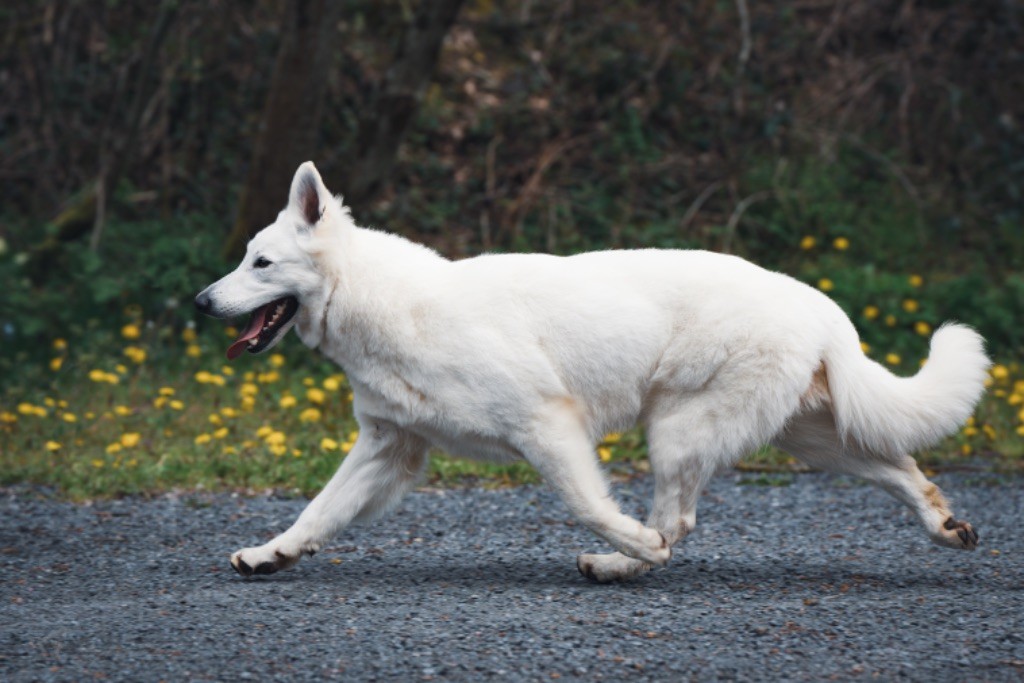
{"type": "Point", "coordinates": [142, 409]}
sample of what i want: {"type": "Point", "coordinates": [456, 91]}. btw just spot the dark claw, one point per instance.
{"type": "Point", "coordinates": [962, 533]}
{"type": "Point", "coordinates": [588, 572]}
{"type": "Point", "coordinates": [949, 524]}
{"type": "Point", "coordinates": [242, 568]}
{"type": "Point", "coordinates": [265, 568]}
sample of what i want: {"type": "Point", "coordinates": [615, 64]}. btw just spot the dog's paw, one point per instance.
{"type": "Point", "coordinates": [262, 560]}
{"type": "Point", "coordinates": [655, 549]}
{"type": "Point", "coordinates": [956, 534]}
{"type": "Point", "coordinates": [610, 567]}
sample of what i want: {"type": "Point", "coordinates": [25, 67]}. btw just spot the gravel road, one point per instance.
{"type": "Point", "coordinates": [822, 577]}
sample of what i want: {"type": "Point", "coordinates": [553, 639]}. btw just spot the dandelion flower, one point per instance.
{"type": "Point", "coordinates": [135, 354]}
{"type": "Point", "coordinates": [123, 411]}
{"type": "Point", "coordinates": [865, 347]}
{"type": "Point", "coordinates": [229, 450]}
{"type": "Point", "coordinates": [121, 370]}
{"type": "Point", "coordinates": [1000, 372]}
{"type": "Point", "coordinates": [230, 331]}
{"type": "Point", "coordinates": [160, 402]}
{"type": "Point", "coordinates": [808, 242]}
{"type": "Point", "coordinates": [910, 305]}
{"type": "Point", "coordinates": [176, 405]}
{"type": "Point", "coordinates": [97, 375]}
{"type": "Point", "coordinates": [264, 431]}
{"type": "Point", "coordinates": [215, 419]}
{"type": "Point", "coordinates": [130, 331]}
{"type": "Point", "coordinates": [115, 447]}
{"type": "Point", "coordinates": [8, 418]}
{"type": "Point", "coordinates": [328, 444]}
{"type": "Point", "coordinates": [193, 351]}
{"type": "Point", "coordinates": [275, 438]}
{"type": "Point", "coordinates": [892, 358]}
{"type": "Point", "coordinates": [871, 312]}
{"type": "Point", "coordinates": [26, 408]}
{"type": "Point", "coordinates": [346, 447]}
{"type": "Point", "coordinates": [841, 244]}
{"type": "Point", "coordinates": [612, 438]}
{"type": "Point", "coordinates": [227, 370]}
{"type": "Point", "coordinates": [965, 449]}
{"type": "Point", "coordinates": [69, 417]}
{"type": "Point", "coordinates": [202, 438]}
{"type": "Point", "coordinates": [922, 328]}
{"type": "Point", "coordinates": [59, 344]}
{"type": "Point", "coordinates": [315, 395]}
{"type": "Point", "coordinates": [188, 335]}
{"type": "Point", "coordinates": [203, 377]}
{"type": "Point", "coordinates": [890, 320]}
{"type": "Point", "coordinates": [111, 378]}
{"type": "Point", "coordinates": [309, 415]}
{"type": "Point", "coordinates": [220, 433]}
{"type": "Point", "coordinates": [268, 377]}
{"type": "Point", "coordinates": [248, 403]}
{"type": "Point", "coordinates": [228, 412]}
{"type": "Point", "coordinates": [331, 384]}
{"type": "Point", "coordinates": [604, 453]}
{"type": "Point", "coordinates": [98, 464]}
{"type": "Point", "coordinates": [915, 280]}
{"type": "Point", "coordinates": [352, 436]}
{"type": "Point", "coordinates": [52, 446]}
{"type": "Point", "coordinates": [826, 285]}
{"type": "Point", "coordinates": [55, 363]}
{"type": "Point", "coordinates": [287, 401]}
{"type": "Point", "coordinates": [166, 391]}
{"type": "Point", "coordinates": [248, 389]}
{"type": "Point", "coordinates": [277, 360]}
{"type": "Point", "coordinates": [130, 439]}
{"type": "Point", "coordinates": [278, 449]}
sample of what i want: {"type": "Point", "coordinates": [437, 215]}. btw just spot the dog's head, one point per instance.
{"type": "Point", "coordinates": [279, 271]}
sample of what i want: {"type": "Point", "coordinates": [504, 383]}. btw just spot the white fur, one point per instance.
{"type": "Point", "coordinates": [536, 357]}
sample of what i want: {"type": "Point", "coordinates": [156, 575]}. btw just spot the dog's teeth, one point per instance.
{"type": "Point", "coordinates": [253, 342]}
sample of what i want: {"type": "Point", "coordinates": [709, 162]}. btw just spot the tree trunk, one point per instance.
{"type": "Point", "coordinates": [397, 98]}
{"type": "Point", "coordinates": [288, 132]}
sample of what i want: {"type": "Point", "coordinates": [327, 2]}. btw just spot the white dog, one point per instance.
{"type": "Point", "coordinates": [537, 357]}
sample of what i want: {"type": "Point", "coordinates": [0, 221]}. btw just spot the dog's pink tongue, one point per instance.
{"type": "Point", "coordinates": [250, 332]}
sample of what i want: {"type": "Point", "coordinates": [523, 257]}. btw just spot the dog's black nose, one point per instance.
{"type": "Point", "coordinates": [203, 302]}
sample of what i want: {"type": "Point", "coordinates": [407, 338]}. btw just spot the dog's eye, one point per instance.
{"type": "Point", "coordinates": [261, 263]}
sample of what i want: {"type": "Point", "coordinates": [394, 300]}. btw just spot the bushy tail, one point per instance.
{"type": "Point", "coordinates": [893, 415]}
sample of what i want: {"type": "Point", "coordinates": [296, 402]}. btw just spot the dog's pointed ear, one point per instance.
{"type": "Point", "coordinates": [308, 195]}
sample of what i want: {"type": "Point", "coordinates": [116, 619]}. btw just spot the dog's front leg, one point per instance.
{"type": "Point", "coordinates": [384, 464]}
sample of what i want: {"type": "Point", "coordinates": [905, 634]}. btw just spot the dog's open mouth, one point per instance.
{"type": "Point", "coordinates": [264, 324]}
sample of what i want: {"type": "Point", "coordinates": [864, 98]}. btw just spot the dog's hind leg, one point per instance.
{"type": "Point", "coordinates": [563, 454]}
{"type": "Point", "coordinates": [383, 466]}
{"type": "Point", "coordinates": [812, 437]}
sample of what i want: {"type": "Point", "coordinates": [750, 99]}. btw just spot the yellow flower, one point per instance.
{"type": "Point", "coordinates": [808, 242]}
{"type": "Point", "coordinates": [8, 418]}
{"type": "Point", "coordinates": [130, 331]}
{"type": "Point", "coordinates": [97, 375]}
{"type": "Point", "coordinates": [49, 402]}
{"type": "Point", "coordinates": [970, 431]}
{"type": "Point", "coordinates": [130, 439]}
{"type": "Point", "coordinates": [59, 344]}
{"type": "Point", "coordinates": [55, 363]}
{"type": "Point", "coordinates": [39, 411]}
{"type": "Point", "coordinates": [825, 285]}
{"type": "Point", "coordinates": [120, 369]}
{"type": "Point", "coordinates": [215, 419]}
{"type": "Point", "coordinates": [310, 415]}
{"type": "Point", "coordinates": [308, 381]}
{"type": "Point", "coordinates": [346, 447]}
{"type": "Point", "coordinates": [267, 377]}
{"type": "Point", "coordinates": [193, 351]}
{"type": "Point", "coordinates": [166, 391]}
{"type": "Point", "coordinates": [332, 384]}
{"type": "Point", "coordinates": [275, 438]}
{"type": "Point", "coordinates": [922, 328]}
{"type": "Point", "coordinates": [202, 438]}
{"type": "Point", "coordinates": [278, 449]}
{"type": "Point", "coordinates": [296, 453]}
{"type": "Point", "coordinates": [227, 370]}
{"type": "Point", "coordinates": [1015, 399]}
{"type": "Point", "coordinates": [98, 463]}
{"type": "Point", "coordinates": [203, 377]}
{"type": "Point", "coordinates": [188, 335]}
{"type": "Point", "coordinates": [287, 401]}
{"type": "Point", "coordinates": [135, 354]}
{"type": "Point", "coordinates": [220, 433]}
{"type": "Point", "coordinates": [315, 395]}
{"type": "Point", "coordinates": [218, 380]}
{"type": "Point", "coordinates": [115, 447]}
{"type": "Point", "coordinates": [1000, 372]}
{"type": "Point", "coordinates": [841, 243]}
{"type": "Point", "coordinates": [352, 436]}
{"type": "Point", "coordinates": [159, 401]}
{"type": "Point", "coordinates": [1020, 416]}
{"type": "Point", "coordinates": [612, 438]}
{"type": "Point", "coordinates": [264, 431]}
{"type": "Point", "coordinates": [990, 431]}
{"type": "Point", "coordinates": [69, 417]}
{"type": "Point", "coordinates": [26, 408]}
{"type": "Point", "coordinates": [277, 360]}
{"type": "Point", "coordinates": [248, 389]}
{"type": "Point", "coordinates": [228, 412]}
{"type": "Point", "coordinates": [248, 403]}
{"type": "Point", "coordinates": [871, 312]}
{"type": "Point", "coordinates": [965, 449]}
{"type": "Point", "coordinates": [604, 453]}
{"type": "Point", "coordinates": [176, 405]}
{"type": "Point", "coordinates": [910, 305]}
{"type": "Point", "coordinates": [52, 446]}
{"type": "Point", "coordinates": [915, 280]}
{"type": "Point", "coordinates": [229, 450]}
{"type": "Point", "coordinates": [892, 358]}
{"type": "Point", "coordinates": [328, 444]}
{"type": "Point", "coordinates": [230, 331]}
{"type": "Point", "coordinates": [865, 347]}
{"type": "Point", "coordinates": [123, 411]}
{"type": "Point", "coordinates": [890, 320]}
{"type": "Point", "coordinates": [111, 378]}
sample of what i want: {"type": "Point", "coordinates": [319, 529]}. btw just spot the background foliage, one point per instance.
{"type": "Point", "coordinates": [872, 149]}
